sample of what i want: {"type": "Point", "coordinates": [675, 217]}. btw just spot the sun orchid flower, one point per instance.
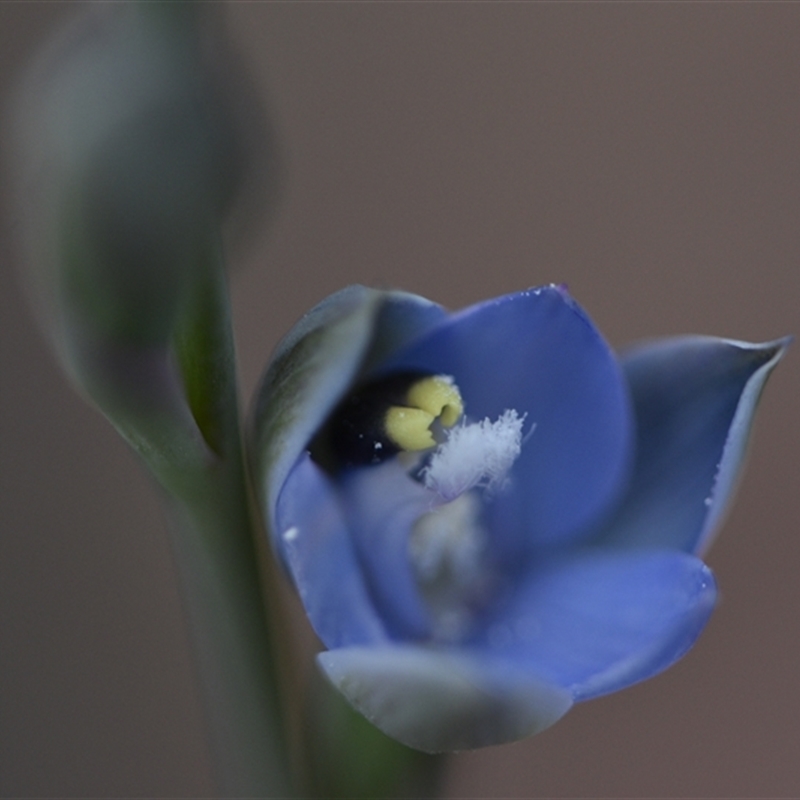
{"type": "Point", "coordinates": [489, 515]}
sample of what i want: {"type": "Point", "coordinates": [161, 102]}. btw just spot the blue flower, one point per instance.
{"type": "Point", "coordinates": [489, 515]}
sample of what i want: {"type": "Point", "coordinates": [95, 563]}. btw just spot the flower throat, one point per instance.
{"type": "Point", "coordinates": [414, 412]}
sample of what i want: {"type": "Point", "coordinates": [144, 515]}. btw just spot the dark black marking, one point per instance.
{"type": "Point", "coordinates": [355, 433]}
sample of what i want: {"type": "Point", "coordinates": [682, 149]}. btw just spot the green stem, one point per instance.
{"type": "Point", "coordinates": [214, 549]}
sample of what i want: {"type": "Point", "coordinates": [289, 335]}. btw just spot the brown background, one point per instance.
{"type": "Point", "coordinates": [646, 154]}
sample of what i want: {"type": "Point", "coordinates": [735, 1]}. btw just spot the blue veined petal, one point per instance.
{"type": "Point", "coordinates": [694, 400]}
{"type": "Point", "coordinates": [315, 364]}
{"type": "Point", "coordinates": [315, 542]}
{"type": "Point", "coordinates": [442, 700]}
{"type": "Point", "coordinates": [602, 620]}
{"type": "Point", "coordinates": [538, 353]}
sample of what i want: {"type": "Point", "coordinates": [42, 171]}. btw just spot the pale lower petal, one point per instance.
{"type": "Point", "coordinates": [440, 700]}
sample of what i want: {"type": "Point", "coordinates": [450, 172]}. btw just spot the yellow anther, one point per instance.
{"type": "Point", "coordinates": [429, 399]}
{"type": "Point", "coordinates": [409, 428]}
{"type": "Point", "coordinates": [439, 396]}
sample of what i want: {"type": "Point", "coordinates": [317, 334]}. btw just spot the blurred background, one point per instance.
{"type": "Point", "coordinates": [646, 154]}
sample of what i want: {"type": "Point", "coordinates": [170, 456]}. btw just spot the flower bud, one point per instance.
{"type": "Point", "coordinates": [133, 133]}
{"type": "Point", "coordinates": [127, 159]}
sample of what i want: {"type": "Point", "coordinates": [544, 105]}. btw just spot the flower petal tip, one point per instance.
{"type": "Point", "coordinates": [695, 399]}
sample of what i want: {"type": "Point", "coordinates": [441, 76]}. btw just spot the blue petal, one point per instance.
{"type": "Point", "coordinates": [600, 621]}
{"type": "Point", "coordinates": [315, 543]}
{"type": "Point", "coordinates": [439, 700]}
{"type": "Point", "coordinates": [538, 353]}
{"type": "Point", "coordinates": [314, 365]}
{"type": "Point", "coordinates": [381, 504]}
{"type": "Point", "coordinates": [694, 400]}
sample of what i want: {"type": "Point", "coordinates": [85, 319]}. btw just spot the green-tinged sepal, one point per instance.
{"type": "Point", "coordinates": [323, 355]}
